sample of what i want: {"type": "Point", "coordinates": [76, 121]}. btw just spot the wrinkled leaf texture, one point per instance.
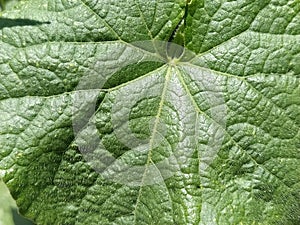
{"type": "Point", "coordinates": [212, 130]}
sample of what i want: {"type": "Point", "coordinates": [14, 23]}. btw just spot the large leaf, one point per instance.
{"type": "Point", "coordinates": [105, 121]}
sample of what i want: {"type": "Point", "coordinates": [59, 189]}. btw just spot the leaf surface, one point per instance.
{"type": "Point", "coordinates": [105, 120]}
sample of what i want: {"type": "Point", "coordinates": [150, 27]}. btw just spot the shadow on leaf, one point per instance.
{"type": "Point", "coordinates": [5, 22]}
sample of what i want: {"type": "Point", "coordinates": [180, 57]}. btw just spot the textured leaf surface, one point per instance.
{"type": "Point", "coordinates": [99, 125]}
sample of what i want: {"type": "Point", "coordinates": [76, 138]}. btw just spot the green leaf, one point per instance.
{"type": "Point", "coordinates": [106, 120]}
{"type": "Point", "coordinates": [6, 206]}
